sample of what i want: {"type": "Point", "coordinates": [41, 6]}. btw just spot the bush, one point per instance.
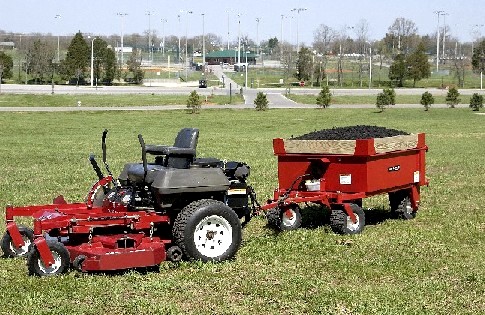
{"type": "Point", "coordinates": [476, 102]}
{"type": "Point", "coordinates": [452, 97]}
{"type": "Point", "coordinates": [261, 101]}
{"type": "Point", "coordinates": [382, 100]}
{"type": "Point", "coordinates": [427, 100]}
{"type": "Point", "coordinates": [193, 102]}
{"type": "Point", "coordinates": [324, 97]}
{"type": "Point", "coordinates": [392, 95]}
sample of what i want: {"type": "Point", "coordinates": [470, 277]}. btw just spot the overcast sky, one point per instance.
{"type": "Point", "coordinates": [100, 17]}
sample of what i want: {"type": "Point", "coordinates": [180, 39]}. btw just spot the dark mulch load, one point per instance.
{"type": "Point", "coordinates": [351, 133]}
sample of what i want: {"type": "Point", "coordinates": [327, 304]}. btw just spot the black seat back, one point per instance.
{"type": "Point", "coordinates": [187, 138]}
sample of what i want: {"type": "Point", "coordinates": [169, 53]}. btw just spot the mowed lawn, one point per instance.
{"type": "Point", "coordinates": [430, 265]}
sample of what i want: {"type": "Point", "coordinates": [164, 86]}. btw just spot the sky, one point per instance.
{"type": "Point", "coordinates": [100, 17]}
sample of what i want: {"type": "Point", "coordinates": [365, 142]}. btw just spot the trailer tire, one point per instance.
{"type": "Point", "coordinates": [61, 261]}
{"type": "Point", "coordinates": [287, 219]}
{"type": "Point", "coordinates": [9, 250]}
{"type": "Point", "coordinates": [340, 222]}
{"type": "Point", "coordinates": [400, 203]}
{"type": "Point", "coordinates": [207, 230]}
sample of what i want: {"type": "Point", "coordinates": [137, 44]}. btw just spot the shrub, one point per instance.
{"type": "Point", "coordinates": [194, 102]}
{"type": "Point", "coordinates": [427, 100]}
{"type": "Point", "coordinates": [476, 102]}
{"type": "Point", "coordinates": [324, 97]}
{"type": "Point", "coordinates": [261, 101]}
{"type": "Point", "coordinates": [452, 97]}
{"type": "Point", "coordinates": [392, 95]}
{"type": "Point", "coordinates": [382, 100]}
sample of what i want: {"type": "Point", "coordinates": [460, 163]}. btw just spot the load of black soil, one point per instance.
{"type": "Point", "coordinates": [351, 133]}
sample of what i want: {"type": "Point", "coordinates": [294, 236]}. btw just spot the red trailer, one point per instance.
{"type": "Point", "coordinates": [340, 173]}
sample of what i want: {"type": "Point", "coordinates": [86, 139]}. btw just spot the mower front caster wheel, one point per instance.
{"type": "Point", "coordinates": [341, 223]}
{"type": "Point", "coordinates": [9, 249]}
{"type": "Point", "coordinates": [207, 230]}
{"type": "Point", "coordinates": [61, 261]}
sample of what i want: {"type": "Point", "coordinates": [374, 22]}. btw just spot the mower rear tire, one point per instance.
{"type": "Point", "coordinates": [284, 219]}
{"type": "Point", "coordinates": [207, 230]}
{"type": "Point", "coordinates": [341, 223]}
{"type": "Point", "coordinates": [8, 248]}
{"type": "Point", "coordinates": [61, 261]}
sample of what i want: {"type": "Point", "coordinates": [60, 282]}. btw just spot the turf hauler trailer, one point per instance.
{"type": "Point", "coordinates": [338, 174]}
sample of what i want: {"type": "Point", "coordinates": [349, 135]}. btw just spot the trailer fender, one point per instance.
{"type": "Point", "coordinates": [414, 196]}
{"type": "Point", "coordinates": [350, 213]}
{"type": "Point", "coordinates": [13, 231]}
{"type": "Point", "coordinates": [42, 247]}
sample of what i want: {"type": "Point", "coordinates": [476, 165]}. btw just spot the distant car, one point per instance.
{"type": "Point", "coordinates": [203, 83]}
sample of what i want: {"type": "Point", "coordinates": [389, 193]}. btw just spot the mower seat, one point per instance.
{"type": "Point", "coordinates": [182, 153]}
{"type": "Point", "coordinates": [135, 173]}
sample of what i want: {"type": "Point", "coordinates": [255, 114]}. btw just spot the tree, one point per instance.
{"type": "Point", "coordinates": [6, 65]}
{"type": "Point", "coordinates": [476, 102]}
{"type": "Point", "coordinates": [77, 59]}
{"type": "Point", "coordinates": [39, 61]}
{"type": "Point", "coordinates": [322, 37]}
{"type": "Point", "coordinates": [427, 100]}
{"type": "Point", "coordinates": [478, 58]}
{"type": "Point", "coordinates": [134, 66]}
{"type": "Point", "coordinates": [104, 61]}
{"type": "Point", "coordinates": [452, 97]}
{"type": "Point", "coordinates": [417, 65]}
{"type": "Point", "coordinates": [391, 94]}
{"type": "Point", "coordinates": [261, 102]}
{"type": "Point", "coordinates": [382, 101]}
{"type": "Point", "coordinates": [403, 33]}
{"type": "Point", "coordinates": [324, 97]}
{"type": "Point", "coordinates": [304, 64]}
{"type": "Point", "coordinates": [194, 103]}
{"type": "Point", "coordinates": [272, 44]}
{"type": "Point", "coordinates": [397, 70]}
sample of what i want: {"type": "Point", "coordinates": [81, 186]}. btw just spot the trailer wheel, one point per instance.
{"type": "Point", "coordinates": [401, 205]}
{"type": "Point", "coordinates": [207, 230]}
{"type": "Point", "coordinates": [61, 261]}
{"type": "Point", "coordinates": [286, 219]}
{"type": "Point", "coordinates": [341, 223]}
{"type": "Point", "coordinates": [8, 248]}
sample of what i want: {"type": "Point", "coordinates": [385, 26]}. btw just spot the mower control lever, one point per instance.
{"type": "Point", "coordinates": [95, 165]}
{"type": "Point", "coordinates": [103, 147]}
{"type": "Point", "coordinates": [143, 156]}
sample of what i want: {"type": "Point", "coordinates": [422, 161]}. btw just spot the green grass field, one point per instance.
{"type": "Point", "coordinates": [370, 99]}
{"type": "Point", "coordinates": [430, 265]}
{"type": "Point", "coordinates": [68, 100]}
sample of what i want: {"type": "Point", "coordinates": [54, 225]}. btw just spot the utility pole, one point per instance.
{"type": "Point", "coordinates": [122, 16]}
{"type": "Point", "coordinates": [438, 13]}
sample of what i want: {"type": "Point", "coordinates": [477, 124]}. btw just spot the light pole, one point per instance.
{"type": "Point", "coordinates": [281, 31]}
{"type": "Point", "coordinates": [178, 53]}
{"type": "Point", "coordinates": [370, 65]}
{"type": "Point", "coordinates": [92, 60]}
{"type": "Point", "coordinates": [438, 13]}
{"type": "Point", "coordinates": [186, 27]}
{"type": "Point", "coordinates": [150, 51]}
{"type": "Point", "coordinates": [228, 34]}
{"type": "Point", "coordinates": [163, 36]}
{"type": "Point", "coordinates": [203, 41]}
{"type": "Point", "coordinates": [257, 35]}
{"type": "Point", "coordinates": [239, 39]}
{"type": "Point", "coordinates": [298, 10]}
{"type": "Point", "coordinates": [57, 17]}
{"type": "Point", "coordinates": [444, 34]}
{"type": "Point", "coordinates": [122, 15]}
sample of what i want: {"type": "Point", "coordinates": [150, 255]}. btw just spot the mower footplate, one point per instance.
{"type": "Point", "coordinates": [100, 255]}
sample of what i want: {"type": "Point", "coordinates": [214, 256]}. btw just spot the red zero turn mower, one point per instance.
{"type": "Point", "coordinates": [172, 207]}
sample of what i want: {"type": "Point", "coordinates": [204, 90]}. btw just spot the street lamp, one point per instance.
{"type": "Point", "coordinates": [239, 39]}
{"type": "Point", "coordinates": [257, 35]}
{"type": "Point", "coordinates": [203, 41]}
{"type": "Point", "coordinates": [92, 60]}
{"type": "Point", "coordinates": [444, 34]}
{"type": "Point", "coordinates": [298, 10]}
{"type": "Point", "coordinates": [58, 16]}
{"type": "Point", "coordinates": [438, 13]}
{"type": "Point", "coordinates": [186, 27]}
{"type": "Point", "coordinates": [163, 35]}
{"type": "Point", "coordinates": [150, 51]}
{"type": "Point", "coordinates": [281, 35]}
{"type": "Point", "coordinates": [122, 15]}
